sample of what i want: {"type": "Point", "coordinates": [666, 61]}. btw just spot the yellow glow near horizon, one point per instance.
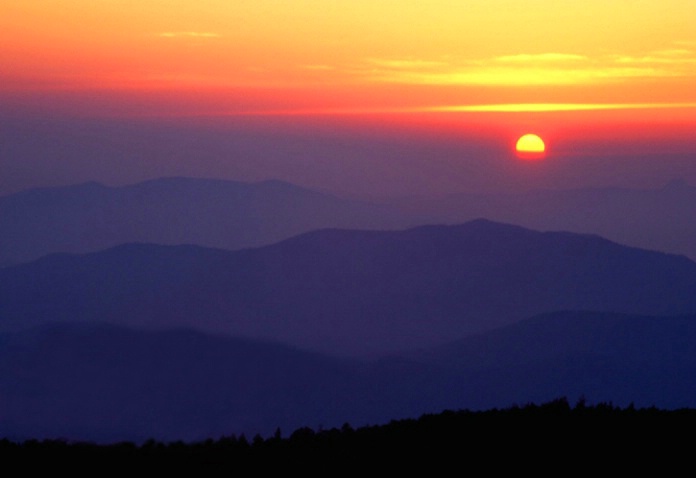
{"type": "Point", "coordinates": [539, 69]}
{"type": "Point", "coordinates": [359, 53]}
{"type": "Point", "coordinates": [546, 107]}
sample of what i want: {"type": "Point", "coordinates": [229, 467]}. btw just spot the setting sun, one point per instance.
{"type": "Point", "coordinates": [530, 146]}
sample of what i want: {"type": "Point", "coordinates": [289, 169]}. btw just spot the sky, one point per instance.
{"type": "Point", "coordinates": [361, 97]}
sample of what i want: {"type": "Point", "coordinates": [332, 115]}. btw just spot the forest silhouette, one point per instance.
{"type": "Point", "coordinates": [539, 437]}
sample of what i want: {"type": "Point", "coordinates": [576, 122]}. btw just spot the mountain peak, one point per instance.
{"type": "Point", "coordinates": [677, 184]}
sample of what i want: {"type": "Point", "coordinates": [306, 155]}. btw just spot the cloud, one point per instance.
{"type": "Point", "coordinates": [405, 64]}
{"type": "Point", "coordinates": [516, 76]}
{"type": "Point", "coordinates": [540, 57]}
{"type": "Point", "coordinates": [318, 67]}
{"type": "Point", "coordinates": [189, 35]}
{"type": "Point", "coordinates": [675, 52]}
{"type": "Point", "coordinates": [532, 69]}
{"type": "Point", "coordinates": [677, 62]}
{"type": "Point", "coordinates": [519, 107]}
{"type": "Point", "coordinates": [673, 57]}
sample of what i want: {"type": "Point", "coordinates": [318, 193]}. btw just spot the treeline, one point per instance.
{"type": "Point", "coordinates": [529, 436]}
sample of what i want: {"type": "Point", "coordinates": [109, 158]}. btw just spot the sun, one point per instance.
{"type": "Point", "coordinates": [530, 146]}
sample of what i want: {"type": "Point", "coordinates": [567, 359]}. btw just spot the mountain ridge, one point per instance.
{"type": "Point", "coordinates": [107, 383]}
{"type": "Point", "coordinates": [175, 210]}
{"type": "Point", "coordinates": [352, 292]}
{"type": "Point", "coordinates": [231, 214]}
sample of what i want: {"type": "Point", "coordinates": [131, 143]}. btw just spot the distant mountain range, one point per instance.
{"type": "Point", "coordinates": [192, 309]}
{"type": "Point", "coordinates": [106, 384]}
{"type": "Point", "coordinates": [661, 219]}
{"type": "Point", "coordinates": [351, 292]}
{"type": "Point", "coordinates": [234, 215]}
{"type": "Point", "coordinates": [213, 213]}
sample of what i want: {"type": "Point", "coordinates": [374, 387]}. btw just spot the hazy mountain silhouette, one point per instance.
{"type": "Point", "coordinates": [624, 359]}
{"type": "Point", "coordinates": [213, 213]}
{"type": "Point", "coordinates": [234, 215]}
{"type": "Point", "coordinates": [657, 219]}
{"type": "Point", "coordinates": [352, 292]}
{"type": "Point", "coordinates": [103, 383]}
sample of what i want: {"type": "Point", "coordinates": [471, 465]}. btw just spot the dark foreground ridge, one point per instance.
{"type": "Point", "coordinates": [546, 437]}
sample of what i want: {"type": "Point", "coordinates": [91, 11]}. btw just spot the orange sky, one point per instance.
{"type": "Point", "coordinates": [222, 56]}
